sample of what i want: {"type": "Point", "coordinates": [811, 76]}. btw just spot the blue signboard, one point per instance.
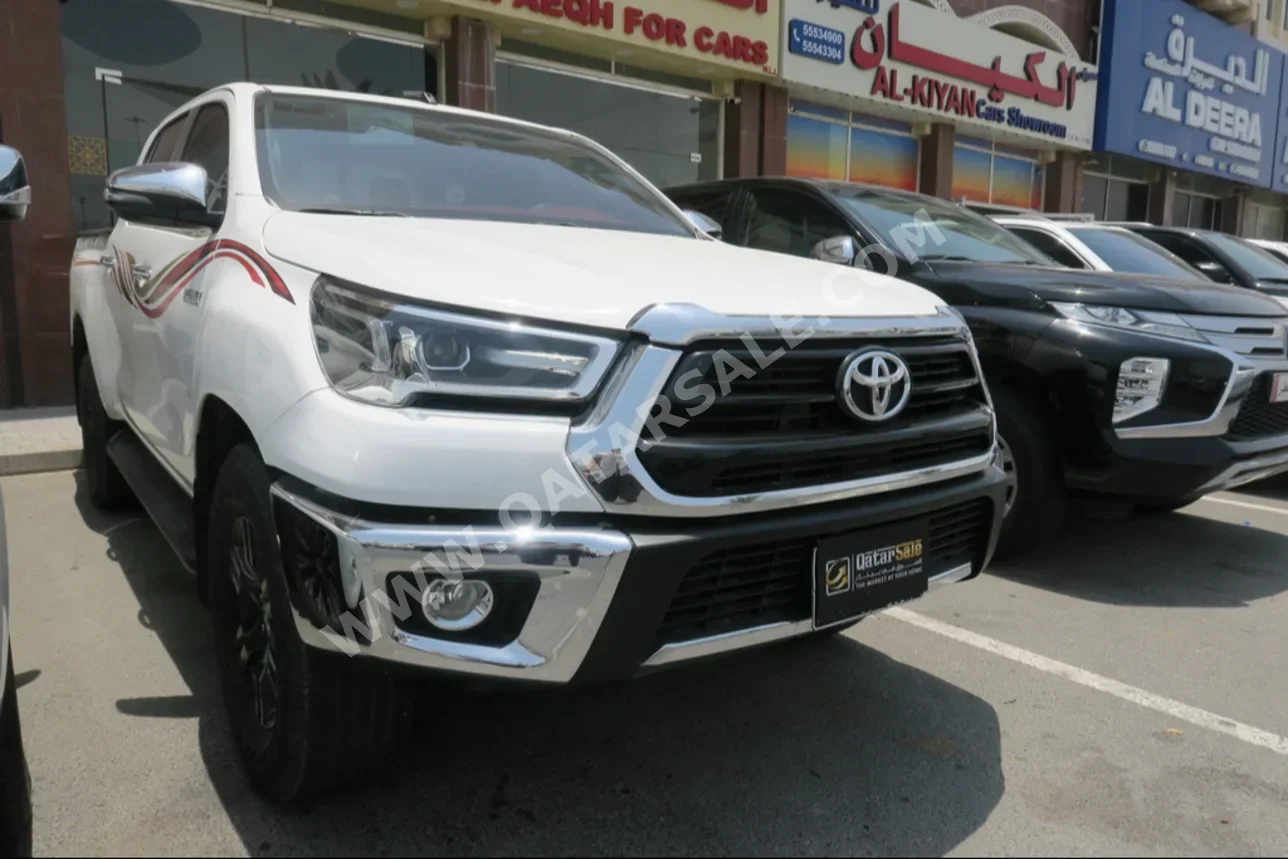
{"type": "Point", "coordinates": [1184, 89]}
{"type": "Point", "coordinates": [816, 41]}
{"type": "Point", "coordinates": [1279, 158]}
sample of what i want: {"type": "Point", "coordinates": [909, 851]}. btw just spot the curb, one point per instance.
{"type": "Point", "coordinates": [39, 461]}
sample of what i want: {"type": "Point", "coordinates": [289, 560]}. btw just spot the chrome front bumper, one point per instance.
{"type": "Point", "coordinates": [579, 570]}
{"type": "Point", "coordinates": [1249, 471]}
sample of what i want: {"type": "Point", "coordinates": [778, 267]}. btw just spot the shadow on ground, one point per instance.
{"type": "Point", "coordinates": [824, 747]}
{"type": "Point", "coordinates": [1165, 560]}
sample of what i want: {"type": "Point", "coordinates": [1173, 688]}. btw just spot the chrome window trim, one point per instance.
{"type": "Point", "coordinates": [603, 447]}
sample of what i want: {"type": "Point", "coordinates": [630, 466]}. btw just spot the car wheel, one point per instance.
{"type": "Point", "coordinates": [107, 488]}
{"type": "Point", "coordinates": [15, 779]}
{"type": "Point", "coordinates": [304, 721]}
{"type": "Point", "coordinates": [1035, 504]}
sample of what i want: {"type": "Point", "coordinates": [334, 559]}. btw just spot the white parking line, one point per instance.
{"type": "Point", "coordinates": [1175, 709]}
{"type": "Point", "coordinates": [1282, 511]}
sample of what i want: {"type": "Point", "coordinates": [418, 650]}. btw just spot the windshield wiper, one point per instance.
{"type": "Point", "coordinates": [947, 258]}
{"type": "Point", "coordinates": [339, 210]}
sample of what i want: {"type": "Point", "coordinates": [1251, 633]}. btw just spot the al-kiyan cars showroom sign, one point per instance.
{"type": "Point", "coordinates": [911, 56]}
{"type": "Point", "coordinates": [730, 34]}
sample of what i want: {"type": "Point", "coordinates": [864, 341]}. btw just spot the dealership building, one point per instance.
{"type": "Point", "coordinates": [992, 101]}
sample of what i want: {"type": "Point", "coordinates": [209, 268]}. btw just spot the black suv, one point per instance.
{"type": "Point", "coordinates": [1223, 258]}
{"type": "Point", "coordinates": [1145, 389]}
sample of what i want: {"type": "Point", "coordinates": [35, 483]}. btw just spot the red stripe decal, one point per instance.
{"type": "Point", "coordinates": [163, 288]}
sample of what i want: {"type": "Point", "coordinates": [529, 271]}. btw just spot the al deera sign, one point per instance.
{"type": "Point", "coordinates": [741, 35]}
{"type": "Point", "coordinates": [1185, 89]}
{"type": "Point", "coordinates": [913, 57]}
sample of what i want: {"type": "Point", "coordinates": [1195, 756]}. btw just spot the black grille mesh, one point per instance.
{"type": "Point", "coordinates": [1258, 417]}
{"type": "Point", "coordinates": [749, 586]}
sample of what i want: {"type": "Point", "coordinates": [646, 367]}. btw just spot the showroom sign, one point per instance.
{"type": "Point", "coordinates": [1188, 90]}
{"type": "Point", "coordinates": [731, 34]}
{"type": "Point", "coordinates": [913, 58]}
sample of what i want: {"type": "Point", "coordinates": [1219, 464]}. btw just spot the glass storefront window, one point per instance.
{"type": "Point", "coordinates": [815, 149]}
{"type": "Point", "coordinates": [129, 63]}
{"type": "Point", "coordinates": [987, 173]}
{"type": "Point", "coordinates": [826, 143]}
{"type": "Point", "coordinates": [670, 138]}
{"type": "Point", "coordinates": [1197, 210]}
{"type": "Point", "coordinates": [881, 158]}
{"type": "Point", "coordinates": [1113, 199]}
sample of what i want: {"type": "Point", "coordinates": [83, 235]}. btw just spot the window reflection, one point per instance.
{"type": "Point", "coordinates": [129, 63]}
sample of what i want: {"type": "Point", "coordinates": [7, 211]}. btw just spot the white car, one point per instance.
{"type": "Point", "coordinates": [15, 778]}
{"type": "Point", "coordinates": [458, 393]}
{"type": "Point", "coordinates": [1279, 249]}
{"type": "Point", "coordinates": [1098, 247]}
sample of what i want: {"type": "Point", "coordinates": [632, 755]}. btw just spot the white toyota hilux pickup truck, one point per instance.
{"type": "Point", "coordinates": [411, 387]}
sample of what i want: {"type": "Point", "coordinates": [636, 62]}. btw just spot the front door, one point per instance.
{"type": "Point", "coordinates": [161, 270]}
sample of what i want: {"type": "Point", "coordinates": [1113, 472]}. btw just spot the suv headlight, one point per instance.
{"type": "Point", "coordinates": [384, 351]}
{"type": "Point", "coordinates": [1144, 321]}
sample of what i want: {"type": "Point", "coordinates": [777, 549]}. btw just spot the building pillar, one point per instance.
{"type": "Point", "coordinates": [1235, 214]}
{"type": "Point", "coordinates": [936, 176]}
{"type": "Point", "coordinates": [469, 54]}
{"type": "Point", "coordinates": [35, 255]}
{"type": "Point", "coordinates": [1063, 192]}
{"type": "Point", "coordinates": [1162, 197]}
{"type": "Point", "coordinates": [756, 131]}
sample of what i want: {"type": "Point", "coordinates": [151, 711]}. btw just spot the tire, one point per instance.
{"type": "Point", "coordinates": [320, 721]}
{"type": "Point", "coordinates": [1035, 507]}
{"type": "Point", "coordinates": [107, 488]}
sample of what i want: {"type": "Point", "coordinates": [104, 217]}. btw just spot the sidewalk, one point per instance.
{"type": "Point", "coordinates": [39, 440]}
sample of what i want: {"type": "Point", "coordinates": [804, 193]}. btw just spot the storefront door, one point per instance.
{"type": "Point", "coordinates": [129, 63]}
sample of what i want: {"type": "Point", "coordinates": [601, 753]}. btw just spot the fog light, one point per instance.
{"type": "Point", "coordinates": [1140, 387]}
{"type": "Point", "coordinates": [454, 606]}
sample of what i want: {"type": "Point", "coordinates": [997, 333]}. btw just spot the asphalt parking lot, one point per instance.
{"type": "Point", "coordinates": [1121, 692]}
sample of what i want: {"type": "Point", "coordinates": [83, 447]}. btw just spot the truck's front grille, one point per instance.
{"type": "Point", "coordinates": [750, 586]}
{"type": "Point", "coordinates": [1255, 337]}
{"type": "Point", "coordinates": [1258, 417]}
{"type": "Point", "coordinates": [783, 427]}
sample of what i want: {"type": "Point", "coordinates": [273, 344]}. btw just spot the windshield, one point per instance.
{"type": "Point", "coordinates": [352, 157]}
{"type": "Point", "coordinates": [905, 224]}
{"type": "Point", "coordinates": [1261, 265]}
{"type": "Point", "coordinates": [1125, 251]}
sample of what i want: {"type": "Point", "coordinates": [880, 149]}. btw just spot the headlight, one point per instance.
{"type": "Point", "coordinates": [1144, 321]}
{"type": "Point", "coordinates": [387, 352]}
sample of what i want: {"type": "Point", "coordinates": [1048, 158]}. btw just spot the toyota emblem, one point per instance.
{"type": "Point", "coordinates": [874, 385]}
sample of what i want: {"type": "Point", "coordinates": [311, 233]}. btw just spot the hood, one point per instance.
{"type": "Point", "coordinates": [1028, 286]}
{"type": "Point", "coordinates": [590, 277]}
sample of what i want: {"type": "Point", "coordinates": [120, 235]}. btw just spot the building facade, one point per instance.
{"type": "Point", "coordinates": [1192, 128]}
{"type": "Point", "coordinates": [982, 105]}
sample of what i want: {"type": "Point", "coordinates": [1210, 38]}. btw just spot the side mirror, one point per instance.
{"type": "Point", "coordinates": [1215, 271]}
{"type": "Point", "coordinates": [169, 192]}
{"type": "Point", "coordinates": [708, 225]}
{"type": "Point", "coordinates": [15, 191]}
{"type": "Point", "coordinates": [842, 250]}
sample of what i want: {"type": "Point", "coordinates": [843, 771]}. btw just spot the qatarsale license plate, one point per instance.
{"type": "Point", "coordinates": [868, 570]}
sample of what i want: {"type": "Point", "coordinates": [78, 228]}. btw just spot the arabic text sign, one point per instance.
{"type": "Point", "coordinates": [732, 34]}
{"type": "Point", "coordinates": [1185, 89]}
{"type": "Point", "coordinates": [919, 59]}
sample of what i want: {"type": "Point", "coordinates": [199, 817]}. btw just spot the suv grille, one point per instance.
{"type": "Point", "coordinates": [746, 587]}
{"type": "Point", "coordinates": [1258, 417]}
{"type": "Point", "coordinates": [783, 428]}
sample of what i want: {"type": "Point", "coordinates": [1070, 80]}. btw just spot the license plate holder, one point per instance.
{"type": "Point", "coordinates": [865, 571]}
{"type": "Point", "coordinates": [1279, 388]}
